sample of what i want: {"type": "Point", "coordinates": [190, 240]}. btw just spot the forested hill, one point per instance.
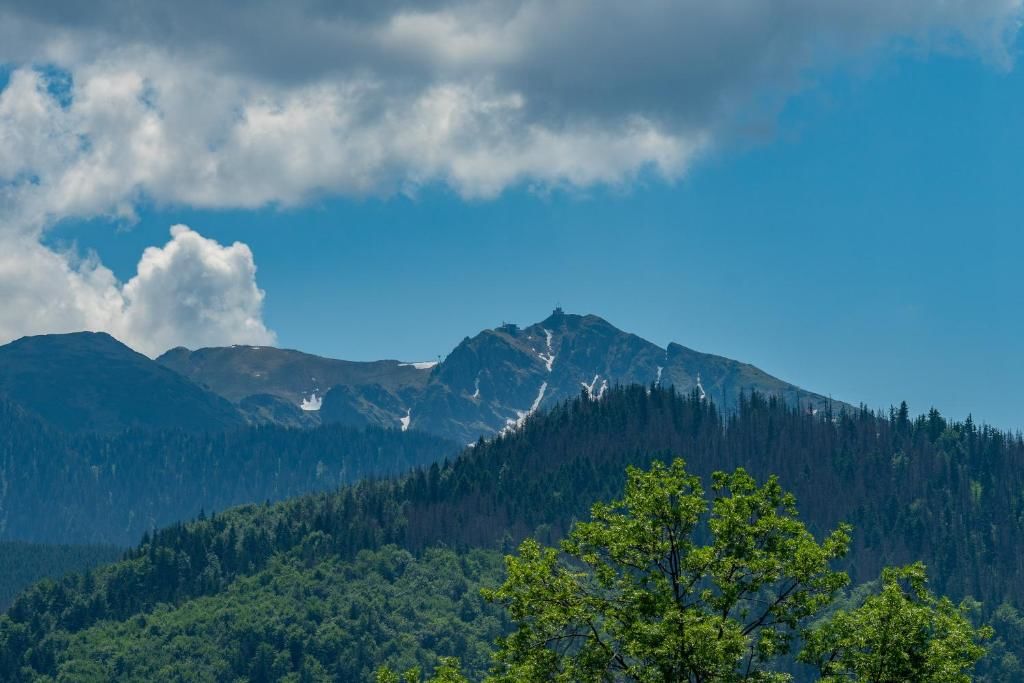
{"type": "Point", "coordinates": [57, 487]}
{"type": "Point", "coordinates": [946, 493]}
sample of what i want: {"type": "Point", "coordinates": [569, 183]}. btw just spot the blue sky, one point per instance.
{"type": "Point", "coordinates": [827, 190]}
{"type": "Point", "coordinates": [868, 248]}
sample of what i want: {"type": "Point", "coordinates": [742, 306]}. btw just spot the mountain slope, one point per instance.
{"type": "Point", "coordinates": [488, 384]}
{"type": "Point", "coordinates": [946, 493]}
{"type": "Point", "coordinates": [23, 564]}
{"type": "Point", "coordinates": [240, 372]}
{"type": "Point", "coordinates": [89, 381]}
{"type": "Point", "coordinates": [112, 488]}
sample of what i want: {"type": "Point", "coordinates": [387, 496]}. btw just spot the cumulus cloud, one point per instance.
{"type": "Point", "coordinates": [190, 292]}
{"type": "Point", "coordinates": [193, 291]}
{"type": "Point", "coordinates": [44, 291]}
{"type": "Point", "coordinates": [216, 104]}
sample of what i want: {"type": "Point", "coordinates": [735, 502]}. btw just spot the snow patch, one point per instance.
{"type": "Point", "coordinates": [589, 388]}
{"type": "Point", "coordinates": [476, 387]}
{"type": "Point", "coordinates": [512, 425]}
{"type": "Point", "coordinates": [549, 357]}
{"type": "Point", "coordinates": [700, 388]}
{"type": "Point", "coordinates": [421, 365]}
{"type": "Point", "coordinates": [657, 380]}
{"type": "Point", "coordinates": [406, 420]}
{"type": "Point", "coordinates": [312, 403]}
{"type": "Point", "coordinates": [540, 397]}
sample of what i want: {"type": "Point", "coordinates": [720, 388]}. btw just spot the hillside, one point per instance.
{"type": "Point", "coordinates": [89, 381]}
{"type": "Point", "coordinates": [112, 488]}
{"type": "Point", "coordinates": [22, 564]}
{"type": "Point", "coordinates": [946, 493]}
{"type": "Point", "coordinates": [333, 621]}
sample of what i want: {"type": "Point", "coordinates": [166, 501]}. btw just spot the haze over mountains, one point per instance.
{"type": "Point", "coordinates": [488, 384]}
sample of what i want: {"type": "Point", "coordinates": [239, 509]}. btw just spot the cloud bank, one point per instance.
{"type": "Point", "coordinates": [215, 104]}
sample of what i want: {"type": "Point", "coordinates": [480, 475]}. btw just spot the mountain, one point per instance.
{"type": "Point", "coordinates": [259, 591]}
{"type": "Point", "coordinates": [488, 384]}
{"type": "Point", "coordinates": [89, 381]}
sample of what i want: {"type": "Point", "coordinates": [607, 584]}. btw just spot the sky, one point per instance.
{"type": "Point", "coordinates": [827, 190]}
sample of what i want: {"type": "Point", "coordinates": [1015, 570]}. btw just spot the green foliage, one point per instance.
{"type": "Point", "coordinates": [1003, 663]}
{"type": "Point", "coordinates": [642, 599]}
{"type": "Point", "coordinates": [332, 621]}
{"type": "Point", "coordinates": [903, 633]}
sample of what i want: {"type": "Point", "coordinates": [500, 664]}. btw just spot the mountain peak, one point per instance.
{"type": "Point", "coordinates": [559, 319]}
{"type": "Point", "coordinates": [71, 339]}
{"type": "Point", "coordinates": [556, 317]}
{"type": "Point", "coordinates": [90, 381]}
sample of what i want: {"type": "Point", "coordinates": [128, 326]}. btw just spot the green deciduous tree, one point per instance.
{"type": "Point", "coordinates": [902, 634]}
{"type": "Point", "coordinates": [662, 586]}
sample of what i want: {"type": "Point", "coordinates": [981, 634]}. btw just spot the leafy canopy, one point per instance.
{"type": "Point", "coordinates": [665, 586]}
{"type": "Point", "coordinates": [660, 586]}
{"type": "Point", "coordinates": [903, 633]}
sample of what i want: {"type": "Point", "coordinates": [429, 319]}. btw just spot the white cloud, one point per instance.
{"type": "Point", "coordinates": [190, 292]}
{"type": "Point", "coordinates": [243, 105]}
{"type": "Point", "coordinates": [44, 291]}
{"type": "Point", "coordinates": [193, 291]}
{"type": "Point", "coordinates": [213, 104]}
{"type": "Point", "coordinates": [130, 132]}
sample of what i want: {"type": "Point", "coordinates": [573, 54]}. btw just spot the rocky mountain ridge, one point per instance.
{"type": "Point", "coordinates": [488, 384]}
